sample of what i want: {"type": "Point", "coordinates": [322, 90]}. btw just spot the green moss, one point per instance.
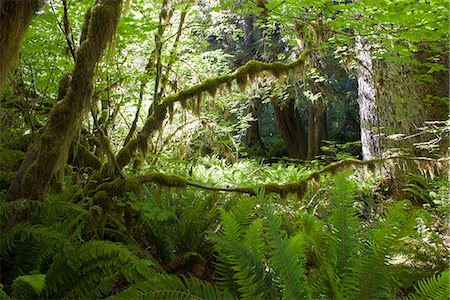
{"type": "Point", "coordinates": [21, 143]}
{"type": "Point", "coordinates": [283, 190]}
{"type": "Point", "coordinates": [63, 85]}
{"type": "Point", "coordinates": [211, 87]}
{"type": "Point", "coordinates": [132, 184]}
{"type": "Point", "coordinates": [278, 69]}
{"type": "Point", "coordinates": [164, 179]}
{"type": "Point", "coordinates": [241, 79]}
{"type": "Point", "coordinates": [124, 155]}
{"type": "Point", "coordinates": [84, 157]}
{"type": "Point", "coordinates": [101, 197]}
{"type": "Point", "coordinates": [10, 161]}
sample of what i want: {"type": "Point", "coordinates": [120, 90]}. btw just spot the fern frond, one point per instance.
{"type": "Point", "coordinates": [173, 287]}
{"type": "Point", "coordinates": [246, 268]}
{"type": "Point", "coordinates": [104, 254]}
{"type": "Point", "coordinates": [343, 221]}
{"type": "Point", "coordinates": [366, 277]}
{"type": "Point", "coordinates": [29, 286]}
{"type": "Point", "coordinates": [433, 288]}
{"type": "Point", "coordinates": [284, 259]}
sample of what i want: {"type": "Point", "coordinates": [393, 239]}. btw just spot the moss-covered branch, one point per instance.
{"type": "Point", "coordinates": [241, 76]}
{"type": "Point", "coordinates": [297, 187]}
{"type": "Point", "coordinates": [15, 16]}
{"type": "Point", "coordinates": [48, 156]}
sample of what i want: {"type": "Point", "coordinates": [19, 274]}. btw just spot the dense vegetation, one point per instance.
{"type": "Point", "coordinates": [270, 149]}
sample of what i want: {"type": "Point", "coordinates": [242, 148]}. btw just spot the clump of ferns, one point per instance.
{"type": "Point", "coordinates": [338, 257]}
{"type": "Point", "coordinates": [175, 228]}
{"type": "Point", "coordinates": [54, 241]}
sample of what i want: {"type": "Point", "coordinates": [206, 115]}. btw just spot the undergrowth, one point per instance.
{"type": "Point", "coordinates": [347, 238]}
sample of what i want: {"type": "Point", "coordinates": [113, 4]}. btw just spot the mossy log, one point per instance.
{"type": "Point", "coordinates": [250, 70]}
{"type": "Point", "coordinates": [49, 154]}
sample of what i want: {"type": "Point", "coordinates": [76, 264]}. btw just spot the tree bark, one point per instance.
{"type": "Point", "coordinates": [366, 100]}
{"type": "Point", "coordinates": [317, 126]}
{"type": "Point", "coordinates": [254, 140]}
{"type": "Point", "coordinates": [48, 155]}
{"type": "Point", "coordinates": [395, 103]}
{"type": "Point", "coordinates": [15, 16]}
{"type": "Point", "coordinates": [290, 129]}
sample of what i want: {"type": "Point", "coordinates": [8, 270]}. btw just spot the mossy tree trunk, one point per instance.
{"type": "Point", "coordinates": [15, 16]}
{"type": "Point", "coordinates": [49, 154]}
{"type": "Point", "coordinates": [366, 100]}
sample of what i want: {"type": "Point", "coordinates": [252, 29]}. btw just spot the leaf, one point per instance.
{"type": "Point", "coordinates": [35, 281]}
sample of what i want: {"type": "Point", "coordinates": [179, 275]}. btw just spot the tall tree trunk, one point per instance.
{"type": "Point", "coordinates": [291, 129]}
{"type": "Point", "coordinates": [254, 140]}
{"type": "Point", "coordinates": [48, 155]}
{"type": "Point", "coordinates": [394, 103]}
{"type": "Point", "coordinates": [15, 16]}
{"type": "Point", "coordinates": [317, 126]}
{"type": "Point", "coordinates": [366, 100]}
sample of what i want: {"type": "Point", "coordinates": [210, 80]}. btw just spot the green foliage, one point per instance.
{"type": "Point", "coordinates": [353, 260]}
{"type": "Point", "coordinates": [29, 286]}
{"type": "Point", "coordinates": [173, 287]}
{"type": "Point", "coordinates": [435, 287]}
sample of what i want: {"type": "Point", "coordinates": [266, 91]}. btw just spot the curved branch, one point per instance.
{"type": "Point", "coordinates": [296, 187]}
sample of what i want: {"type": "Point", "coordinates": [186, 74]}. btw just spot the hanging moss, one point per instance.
{"type": "Point", "coordinates": [211, 87]}
{"type": "Point", "coordinates": [241, 80]}
{"type": "Point", "coordinates": [251, 68]}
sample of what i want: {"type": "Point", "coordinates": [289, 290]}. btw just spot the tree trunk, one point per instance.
{"type": "Point", "coordinates": [317, 126]}
{"type": "Point", "coordinates": [15, 16]}
{"type": "Point", "coordinates": [394, 104]}
{"type": "Point", "coordinates": [291, 129]}
{"type": "Point", "coordinates": [366, 100]}
{"type": "Point", "coordinates": [48, 155]}
{"type": "Point", "coordinates": [254, 140]}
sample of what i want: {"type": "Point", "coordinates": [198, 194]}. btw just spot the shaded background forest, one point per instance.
{"type": "Point", "coordinates": [123, 122]}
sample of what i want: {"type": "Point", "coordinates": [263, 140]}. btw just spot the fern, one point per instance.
{"type": "Point", "coordinates": [284, 259]}
{"type": "Point", "coordinates": [95, 268]}
{"type": "Point", "coordinates": [29, 286]}
{"type": "Point", "coordinates": [173, 287]}
{"type": "Point", "coordinates": [343, 221]}
{"type": "Point", "coordinates": [240, 247]}
{"type": "Point", "coordinates": [433, 288]}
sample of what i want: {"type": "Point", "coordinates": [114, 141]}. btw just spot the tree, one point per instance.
{"type": "Point", "coordinates": [48, 155]}
{"type": "Point", "coordinates": [15, 16]}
